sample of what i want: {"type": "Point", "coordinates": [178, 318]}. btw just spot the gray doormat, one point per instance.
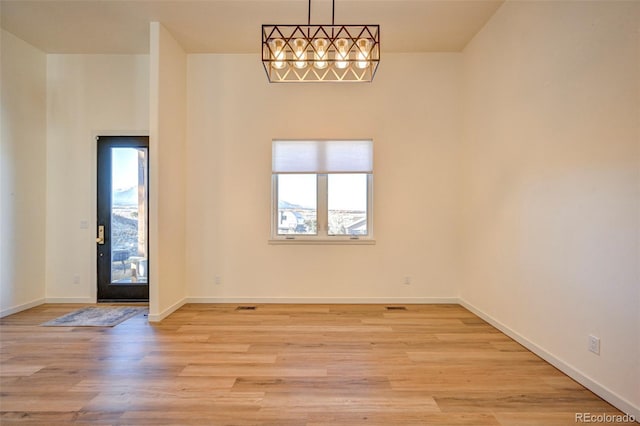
{"type": "Point", "coordinates": [95, 317]}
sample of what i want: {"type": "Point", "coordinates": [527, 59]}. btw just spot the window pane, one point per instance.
{"type": "Point", "coordinates": [297, 204]}
{"type": "Point", "coordinates": [347, 204]}
{"type": "Point", "coordinates": [129, 215]}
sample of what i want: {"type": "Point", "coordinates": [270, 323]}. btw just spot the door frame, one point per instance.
{"type": "Point", "coordinates": [140, 140]}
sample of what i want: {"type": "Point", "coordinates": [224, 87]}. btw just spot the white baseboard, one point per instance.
{"type": "Point", "coordinates": [600, 390]}
{"type": "Point", "coordinates": [321, 300]}
{"type": "Point", "coordinates": [171, 309]}
{"type": "Point", "coordinates": [70, 300]}
{"type": "Point", "coordinates": [22, 307]}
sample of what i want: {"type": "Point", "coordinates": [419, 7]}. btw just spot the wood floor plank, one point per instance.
{"type": "Point", "coordinates": [408, 419]}
{"type": "Point", "coordinates": [313, 385]}
{"type": "Point", "coordinates": [188, 386]}
{"type": "Point", "coordinates": [9, 369]}
{"type": "Point", "coordinates": [243, 370]}
{"type": "Point", "coordinates": [372, 402]}
{"type": "Point", "coordinates": [35, 400]}
{"type": "Point", "coordinates": [474, 357]}
{"type": "Point", "coordinates": [210, 364]}
{"type": "Point", "coordinates": [158, 400]}
{"type": "Point", "coordinates": [521, 402]}
{"type": "Point", "coordinates": [199, 357]}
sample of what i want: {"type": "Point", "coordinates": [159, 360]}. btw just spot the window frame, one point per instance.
{"type": "Point", "coordinates": [322, 216]}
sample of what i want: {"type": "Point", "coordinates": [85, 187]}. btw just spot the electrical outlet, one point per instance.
{"type": "Point", "coordinates": [76, 279]}
{"type": "Point", "coordinates": [407, 280]}
{"type": "Point", "coordinates": [217, 280]}
{"type": "Point", "coordinates": [594, 344]}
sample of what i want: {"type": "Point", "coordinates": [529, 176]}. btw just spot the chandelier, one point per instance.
{"type": "Point", "coordinates": [320, 53]}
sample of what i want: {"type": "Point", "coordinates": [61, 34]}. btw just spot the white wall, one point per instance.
{"type": "Point", "coordinates": [412, 113]}
{"type": "Point", "coordinates": [22, 174]}
{"type": "Point", "coordinates": [552, 115]}
{"type": "Point", "coordinates": [87, 96]}
{"type": "Point", "coordinates": [167, 186]}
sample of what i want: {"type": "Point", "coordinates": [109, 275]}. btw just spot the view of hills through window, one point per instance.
{"type": "Point", "coordinates": [128, 214]}
{"type": "Point", "coordinates": [346, 204]}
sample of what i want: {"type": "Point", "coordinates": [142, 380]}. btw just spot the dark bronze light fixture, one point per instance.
{"type": "Point", "coordinates": [320, 53]}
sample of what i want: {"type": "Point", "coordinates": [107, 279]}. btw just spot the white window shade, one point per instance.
{"type": "Point", "coordinates": [322, 156]}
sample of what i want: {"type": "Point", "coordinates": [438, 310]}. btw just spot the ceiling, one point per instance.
{"type": "Point", "coordinates": [233, 26]}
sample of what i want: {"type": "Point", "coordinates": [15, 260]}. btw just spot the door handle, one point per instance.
{"type": "Point", "coordinates": [100, 239]}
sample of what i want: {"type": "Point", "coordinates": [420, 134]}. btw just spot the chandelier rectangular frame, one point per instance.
{"type": "Point", "coordinates": [320, 53]}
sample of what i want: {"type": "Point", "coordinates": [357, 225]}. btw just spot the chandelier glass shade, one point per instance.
{"type": "Point", "coordinates": [320, 53]}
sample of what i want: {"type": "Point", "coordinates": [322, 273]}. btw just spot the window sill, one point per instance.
{"type": "Point", "coordinates": [309, 241]}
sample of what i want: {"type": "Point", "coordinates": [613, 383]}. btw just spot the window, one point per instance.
{"type": "Point", "coordinates": [347, 204]}
{"type": "Point", "coordinates": [297, 204]}
{"type": "Point", "coordinates": [322, 191]}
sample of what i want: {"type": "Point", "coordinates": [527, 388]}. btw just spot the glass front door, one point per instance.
{"type": "Point", "coordinates": [123, 261]}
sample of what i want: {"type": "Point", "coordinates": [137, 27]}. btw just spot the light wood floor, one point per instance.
{"type": "Point", "coordinates": [281, 365]}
